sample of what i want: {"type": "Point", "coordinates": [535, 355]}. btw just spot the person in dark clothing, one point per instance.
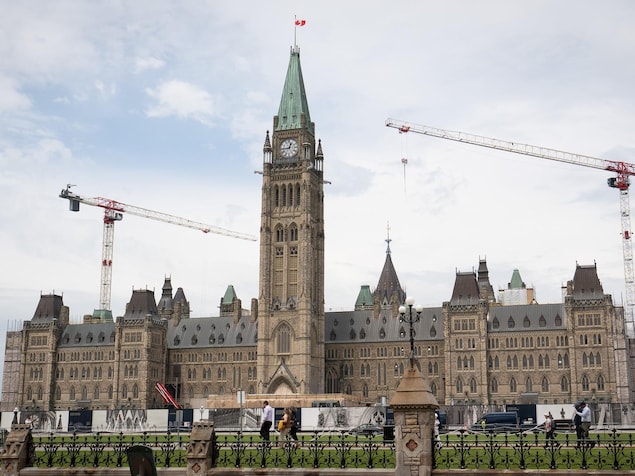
{"type": "Point", "coordinates": [577, 424]}
{"type": "Point", "coordinates": [294, 427]}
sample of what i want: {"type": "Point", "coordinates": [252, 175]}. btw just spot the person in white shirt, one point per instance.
{"type": "Point", "coordinates": [585, 420]}
{"type": "Point", "coordinates": [267, 420]}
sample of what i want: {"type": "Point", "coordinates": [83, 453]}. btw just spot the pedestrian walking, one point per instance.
{"type": "Point", "coordinates": [266, 421]}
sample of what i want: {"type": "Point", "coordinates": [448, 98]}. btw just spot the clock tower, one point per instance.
{"type": "Point", "coordinates": [291, 288]}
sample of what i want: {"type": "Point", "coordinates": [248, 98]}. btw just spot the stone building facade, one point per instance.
{"type": "Point", "coordinates": [474, 348]}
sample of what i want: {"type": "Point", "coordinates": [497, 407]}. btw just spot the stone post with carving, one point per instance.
{"type": "Point", "coordinates": [201, 451]}
{"type": "Point", "coordinates": [19, 450]}
{"type": "Point", "coordinates": [414, 407]}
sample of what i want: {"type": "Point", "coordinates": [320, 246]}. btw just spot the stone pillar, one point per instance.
{"type": "Point", "coordinates": [414, 407]}
{"type": "Point", "coordinates": [201, 451]}
{"type": "Point", "coordinates": [19, 451]}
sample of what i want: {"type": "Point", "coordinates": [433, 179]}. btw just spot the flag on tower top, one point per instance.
{"type": "Point", "coordinates": [300, 22]}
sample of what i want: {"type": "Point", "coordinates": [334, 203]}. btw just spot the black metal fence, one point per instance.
{"type": "Point", "coordinates": [107, 449]}
{"type": "Point", "coordinates": [604, 450]}
{"type": "Point", "coordinates": [609, 450]}
{"type": "Point", "coordinates": [236, 450]}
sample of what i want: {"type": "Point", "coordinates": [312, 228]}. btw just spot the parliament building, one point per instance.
{"type": "Point", "coordinates": [478, 347]}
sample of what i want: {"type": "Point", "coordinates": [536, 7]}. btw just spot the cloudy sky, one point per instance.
{"type": "Point", "coordinates": [165, 105]}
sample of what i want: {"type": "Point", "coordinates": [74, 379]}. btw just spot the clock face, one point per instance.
{"type": "Point", "coordinates": [288, 148]}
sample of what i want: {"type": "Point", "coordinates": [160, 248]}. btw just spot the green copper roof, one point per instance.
{"type": "Point", "coordinates": [230, 295]}
{"type": "Point", "coordinates": [365, 298]}
{"type": "Point", "coordinates": [294, 103]}
{"type": "Point", "coordinates": [516, 282]}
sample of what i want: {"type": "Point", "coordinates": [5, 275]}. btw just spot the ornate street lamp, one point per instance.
{"type": "Point", "coordinates": [411, 318]}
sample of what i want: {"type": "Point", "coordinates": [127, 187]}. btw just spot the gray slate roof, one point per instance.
{"type": "Point", "coordinates": [205, 332]}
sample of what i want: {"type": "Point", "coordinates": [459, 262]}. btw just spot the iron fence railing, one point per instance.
{"type": "Point", "coordinates": [602, 450]}
{"type": "Point", "coordinates": [232, 450]}
{"type": "Point", "coordinates": [610, 450]}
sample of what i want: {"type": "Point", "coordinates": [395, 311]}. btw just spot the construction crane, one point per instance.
{"type": "Point", "coordinates": [113, 212]}
{"type": "Point", "coordinates": [621, 182]}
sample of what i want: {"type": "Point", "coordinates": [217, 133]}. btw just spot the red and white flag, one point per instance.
{"type": "Point", "coordinates": [300, 22]}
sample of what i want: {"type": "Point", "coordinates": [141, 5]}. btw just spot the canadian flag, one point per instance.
{"type": "Point", "coordinates": [300, 22]}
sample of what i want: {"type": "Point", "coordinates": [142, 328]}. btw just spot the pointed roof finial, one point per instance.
{"type": "Point", "coordinates": [388, 240]}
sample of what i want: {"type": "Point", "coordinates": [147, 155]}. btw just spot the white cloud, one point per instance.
{"type": "Point", "coordinates": [105, 91]}
{"type": "Point", "coordinates": [11, 99]}
{"type": "Point", "coordinates": [148, 64]}
{"type": "Point", "coordinates": [183, 100]}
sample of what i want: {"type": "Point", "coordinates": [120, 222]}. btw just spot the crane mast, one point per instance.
{"type": "Point", "coordinates": [113, 212]}
{"type": "Point", "coordinates": [623, 170]}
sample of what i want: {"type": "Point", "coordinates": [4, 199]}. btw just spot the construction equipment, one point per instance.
{"type": "Point", "coordinates": [621, 182]}
{"type": "Point", "coordinates": [113, 211]}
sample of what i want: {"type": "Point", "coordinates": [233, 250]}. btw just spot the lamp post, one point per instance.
{"type": "Point", "coordinates": [406, 315]}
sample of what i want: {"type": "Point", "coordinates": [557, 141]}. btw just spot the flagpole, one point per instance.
{"type": "Point", "coordinates": [295, 31]}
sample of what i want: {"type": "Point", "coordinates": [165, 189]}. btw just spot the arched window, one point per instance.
{"type": "Point", "coordinates": [459, 385]}
{"type": "Point", "coordinates": [513, 386]}
{"type": "Point", "coordinates": [544, 386]}
{"type": "Point", "coordinates": [293, 233]}
{"type": "Point", "coordinates": [472, 386]}
{"type": "Point", "coordinates": [564, 384]}
{"type": "Point", "coordinates": [284, 339]}
{"type": "Point", "coordinates": [494, 385]}
{"type": "Point", "coordinates": [496, 365]}
{"type": "Point", "coordinates": [529, 386]}
{"type": "Point", "coordinates": [585, 383]}
{"type": "Point", "coordinates": [96, 392]}
{"type": "Point", "coordinates": [297, 194]}
{"type": "Point", "coordinates": [124, 391]}
{"type": "Point", "coordinates": [279, 234]}
{"type": "Point", "coordinates": [71, 393]}
{"type": "Point", "coordinates": [332, 382]}
{"type": "Point", "coordinates": [600, 382]}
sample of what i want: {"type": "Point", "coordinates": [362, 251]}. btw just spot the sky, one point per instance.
{"type": "Point", "coordinates": [165, 105]}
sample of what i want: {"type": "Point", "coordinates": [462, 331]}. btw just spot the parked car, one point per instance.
{"type": "Point", "coordinates": [496, 422]}
{"type": "Point", "coordinates": [367, 429]}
